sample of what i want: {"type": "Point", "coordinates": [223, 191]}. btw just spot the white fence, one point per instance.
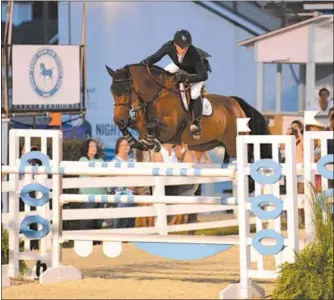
{"type": "Point", "coordinates": [148, 174]}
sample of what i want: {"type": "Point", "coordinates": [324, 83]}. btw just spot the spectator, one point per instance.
{"type": "Point", "coordinates": [317, 144]}
{"type": "Point", "coordinates": [3, 175]}
{"type": "Point", "coordinates": [282, 146]}
{"type": "Point", "coordinates": [185, 155]}
{"type": "Point", "coordinates": [166, 154]}
{"type": "Point", "coordinates": [296, 124]}
{"type": "Point", "coordinates": [123, 155]}
{"type": "Point", "coordinates": [331, 120]}
{"type": "Point", "coordinates": [90, 153]}
{"type": "Point", "coordinates": [171, 153]}
{"type": "Point", "coordinates": [32, 162]}
{"type": "Point", "coordinates": [298, 131]}
{"type": "Point", "coordinates": [317, 153]}
{"type": "Point", "coordinates": [144, 156]}
{"type": "Point", "coordinates": [324, 104]}
{"type": "Point", "coordinates": [330, 143]}
{"type": "Point", "coordinates": [202, 157]}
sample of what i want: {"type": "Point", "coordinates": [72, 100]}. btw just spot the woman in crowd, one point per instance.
{"type": "Point", "coordinates": [173, 154]}
{"type": "Point", "coordinates": [330, 120]}
{"type": "Point", "coordinates": [90, 152]}
{"type": "Point", "coordinates": [298, 131]}
{"type": "Point", "coordinates": [330, 143]}
{"type": "Point", "coordinates": [123, 155]}
{"type": "Point", "coordinates": [317, 152]}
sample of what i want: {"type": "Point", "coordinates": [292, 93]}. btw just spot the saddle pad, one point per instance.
{"type": "Point", "coordinates": [207, 107]}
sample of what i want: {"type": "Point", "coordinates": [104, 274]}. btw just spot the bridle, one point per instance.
{"type": "Point", "coordinates": [143, 104]}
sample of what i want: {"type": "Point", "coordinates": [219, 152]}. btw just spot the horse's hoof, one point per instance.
{"type": "Point", "coordinates": [142, 146]}
{"type": "Point", "coordinates": [157, 147]}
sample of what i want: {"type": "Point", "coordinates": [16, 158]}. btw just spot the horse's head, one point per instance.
{"type": "Point", "coordinates": [134, 85]}
{"type": "Point", "coordinates": [121, 88]}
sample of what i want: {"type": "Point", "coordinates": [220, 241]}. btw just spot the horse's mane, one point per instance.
{"type": "Point", "coordinates": [154, 69]}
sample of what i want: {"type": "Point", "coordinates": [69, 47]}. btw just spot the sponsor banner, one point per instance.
{"type": "Point", "coordinates": [108, 133]}
{"type": "Point", "coordinates": [46, 75]}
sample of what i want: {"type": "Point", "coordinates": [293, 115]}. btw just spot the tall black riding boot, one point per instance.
{"type": "Point", "coordinates": [195, 127]}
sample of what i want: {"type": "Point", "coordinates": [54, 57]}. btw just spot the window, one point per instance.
{"type": "Point", "coordinates": [52, 9]}
{"type": "Point", "coordinates": [37, 9]}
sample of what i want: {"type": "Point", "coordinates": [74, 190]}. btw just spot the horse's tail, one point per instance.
{"type": "Point", "coordinates": [258, 126]}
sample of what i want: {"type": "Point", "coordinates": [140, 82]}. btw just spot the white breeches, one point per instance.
{"type": "Point", "coordinates": [172, 68]}
{"type": "Point", "coordinates": [195, 88]}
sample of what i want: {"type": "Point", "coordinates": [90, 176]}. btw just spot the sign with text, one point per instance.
{"type": "Point", "coordinates": [46, 75]}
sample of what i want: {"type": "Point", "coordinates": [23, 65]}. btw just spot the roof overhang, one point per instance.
{"type": "Point", "coordinates": [290, 44]}
{"type": "Point", "coordinates": [319, 5]}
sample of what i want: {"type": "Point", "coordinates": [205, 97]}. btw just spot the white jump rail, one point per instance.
{"type": "Point", "coordinates": [100, 171]}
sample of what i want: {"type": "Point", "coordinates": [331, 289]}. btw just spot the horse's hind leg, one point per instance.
{"type": "Point", "coordinates": [192, 218]}
{"type": "Point", "coordinates": [145, 221]}
{"type": "Point", "coordinates": [176, 220]}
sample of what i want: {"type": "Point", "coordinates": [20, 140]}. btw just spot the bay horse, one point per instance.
{"type": "Point", "coordinates": [149, 94]}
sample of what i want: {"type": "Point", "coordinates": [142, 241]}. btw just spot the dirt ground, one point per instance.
{"type": "Point", "coordinates": [136, 274]}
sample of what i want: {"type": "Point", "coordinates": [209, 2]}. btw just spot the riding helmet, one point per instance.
{"type": "Point", "coordinates": [183, 38]}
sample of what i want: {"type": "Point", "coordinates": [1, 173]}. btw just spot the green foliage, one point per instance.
{"type": "Point", "coordinates": [72, 149]}
{"type": "Point", "coordinates": [311, 275]}
{"type": "Point", "coordinates": [4, 246]}
{"type": "Point", "coordinates": [5, 250]}
{"type": "Point", "coordinates": [233, 230]}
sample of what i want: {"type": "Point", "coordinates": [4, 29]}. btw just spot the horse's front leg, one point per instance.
{"type": "Point", "coordinates": [133, 143]}
{"type": "Point", "coordinates": [150, 137]}
{"type": "Point", "coordinates": [142, 144]}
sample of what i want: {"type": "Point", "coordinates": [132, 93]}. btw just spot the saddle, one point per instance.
{"type": "Point", "coordinates": [186, 100]}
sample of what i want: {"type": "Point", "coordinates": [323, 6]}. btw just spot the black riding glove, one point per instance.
{"type": "Point", "coordinates": [180, 77]}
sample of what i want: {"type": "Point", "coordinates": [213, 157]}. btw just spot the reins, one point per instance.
{"type": "Point", "coordinates": [161, 85]}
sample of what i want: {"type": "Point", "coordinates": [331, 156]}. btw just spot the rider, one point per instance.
{"type": "Point", "coordinates": [188, 64]}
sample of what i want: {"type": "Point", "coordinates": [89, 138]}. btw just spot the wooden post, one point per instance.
{"type": "Point", "coordinates": [6, 54]}
{"type": "Point", "coordinates": [83, 59]}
